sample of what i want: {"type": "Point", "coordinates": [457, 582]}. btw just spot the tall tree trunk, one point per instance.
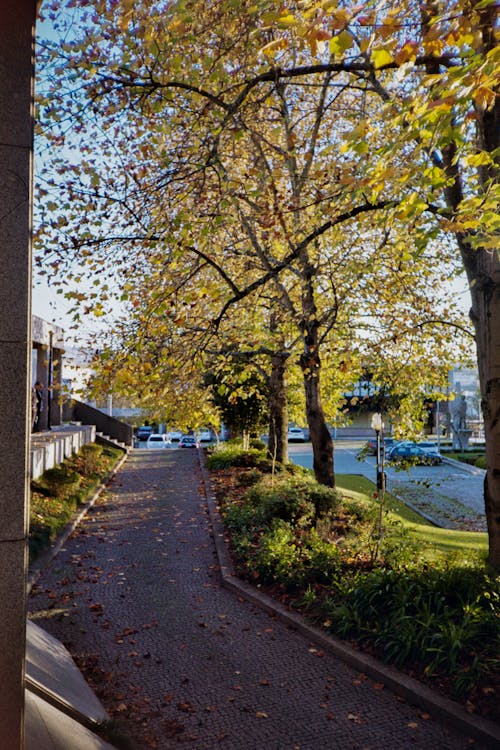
{"type": "Point", "coordinates": [484, 268]}
{"type": "Point", "coordinates": [278, 409]}
{"type": "Point", "coordinates": [310, 362]}
{"type": "Point", "coordinates": [321, 440]}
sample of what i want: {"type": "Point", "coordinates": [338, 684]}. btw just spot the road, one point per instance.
{"type": "Point", "coordinates": [437, 491]}
{"type": "Point", "coordinates": [446, 494]}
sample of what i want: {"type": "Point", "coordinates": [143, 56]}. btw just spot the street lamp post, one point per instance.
{"type": "Point", "coordinates": [378, 425]}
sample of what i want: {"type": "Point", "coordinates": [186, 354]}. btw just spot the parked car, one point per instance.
{"type": "Point", "coordinates": [296, 435]}
{"type": "Point", "coordinates": [175, 435]}
{"type": "Point", "coordinates": [143, 432]}
{"type": "Point", "coordinates": [155, 440]}
{"type": "Point", "coordinates": [371, 445]}
{"type": "Point", "coordinates": [205, 436]}
{"type": "Point", "coordinates": [413, 453]}
{"type": "Point", "coordinates": [188, 441]}
{"type": "Point", "coordinates": [428, 445]}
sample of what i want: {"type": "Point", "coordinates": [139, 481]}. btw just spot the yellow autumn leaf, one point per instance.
{"type": "Point", "coordinates": [341, 42]}
{"type": "Point", "coordinates": [286, 21]}
{"type": "Point", "coordinates": [478, 160]}
{"type": "Point", "coordinates": [484, 97]}
{"type": "Point", "coordinates": [269, 49]}
{"type": "Point", "coordinates": [381, 57]}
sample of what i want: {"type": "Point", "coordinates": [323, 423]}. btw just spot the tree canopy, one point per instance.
{"type": "Point", "coordinates": [311, 162]}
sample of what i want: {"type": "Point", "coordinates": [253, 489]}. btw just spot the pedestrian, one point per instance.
{"type": "Point", "coordinates": [37, 406]}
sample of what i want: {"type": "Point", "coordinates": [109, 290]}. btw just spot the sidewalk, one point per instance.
{"type": "Point", "coordinates": [136, 596]}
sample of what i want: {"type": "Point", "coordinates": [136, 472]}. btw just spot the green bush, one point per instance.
{"type": "Point", "coordinates": [278, 559]}
{"type": "Point", "coordinates": [61, 480]}
{"type": "Point", "coordinates": [359, 512]}
{"type": "Point", "coordinates": [250, 477]}
{"type": "Point", "coordinates": [258, 444]}
{"type": "Point", "coordinates": [291, 561]}
{"type": "Point", "coordinates": [243, 517]}
{"type": "Point", "coordinates": [231, 454]}
{"type": "Point", "coordinates": [298, 499]}
{"type": "Point", "coordinates": [281, 499]}
{"type": "Point", "coordinates": [474, 458]}
{"type": "Point", "coordinates": [324, 561]}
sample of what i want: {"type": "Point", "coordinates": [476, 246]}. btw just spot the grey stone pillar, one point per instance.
{"type": "Point", "coordinates": [56, 399]}
{"type": "Point", "coordinates": [16, 135]}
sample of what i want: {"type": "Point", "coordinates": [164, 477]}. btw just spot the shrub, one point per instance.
{"type": "Point", "coordinates": [232, 454]}
{"type": "Point", "coordinates": [88, 459]}
{"type": "Point", "coordinates": [61, 480]}
{"type": "Point", "coordinates": [258, 444]}
{"type": "Point", "coordinates": [243, 517]}
{"type": "Point", "coordinates": [445, 620]}
{"type": "Point", "coordinates": [282, 499]}
{"type": "Point", "coordinates": [298, 499]}
{"type": "Point", "coordinates": [325, 559]}
{"type": "Point", "coordinates": [278, 559]}
{"type": "Point", "coordinates": [358, 511]}
{"type": "Point", "coordinates": [250, 477]}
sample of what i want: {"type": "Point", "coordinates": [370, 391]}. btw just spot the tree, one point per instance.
{"type": "Point", "coordinates": [253, 176]}
{"type": "Point", "coordinates": [240, 394]}
{"type": "Point", "coordinates": [435, 68]}
{"type": "Point", "coordinates": [211, 87]}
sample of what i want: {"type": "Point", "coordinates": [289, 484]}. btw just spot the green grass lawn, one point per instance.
{"type": "Point", "coordinates": [438, 542]}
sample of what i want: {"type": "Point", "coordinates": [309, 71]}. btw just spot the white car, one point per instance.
{"type": "Point", "coordinates": [158, 441]}
{"type": "Point", "coordinates": [175, 435]}
{"type": "Point", "coordinates": [205, 436]}
{"type": "Point", "coordinates": [296, 434]}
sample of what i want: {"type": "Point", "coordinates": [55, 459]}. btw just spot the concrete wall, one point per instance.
{"type": "Point", "coordinates": [49, 449]}
{"type": "Point", "coordinates": [17, 19]}
{"type": "Point", "coordinates": [115, 428]}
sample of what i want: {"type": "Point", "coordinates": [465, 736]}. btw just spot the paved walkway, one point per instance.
{"type": "Point", "coordinates": [135, 595]}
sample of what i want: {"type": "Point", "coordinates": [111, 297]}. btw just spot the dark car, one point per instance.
{"type": "Point", "coordinates": [414, 454]}
{"type": "Point", "coordinates": [371, 445]}
{"type": "Point", "coordinates": [143, 432]}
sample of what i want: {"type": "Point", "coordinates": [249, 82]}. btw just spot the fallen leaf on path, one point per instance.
{"type": "Point", "coordinates": [355, 718]}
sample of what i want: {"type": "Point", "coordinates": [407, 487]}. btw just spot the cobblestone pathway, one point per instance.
{"type": "Point", "coordinates": [135, 595]}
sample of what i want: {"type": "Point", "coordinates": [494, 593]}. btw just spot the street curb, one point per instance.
{"type": "Point", "coordinates": [464, 467]}
{"type": "Point", "coordinates": [46, 557]}
{"type": "Point", "coordinates": [407, 687]}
